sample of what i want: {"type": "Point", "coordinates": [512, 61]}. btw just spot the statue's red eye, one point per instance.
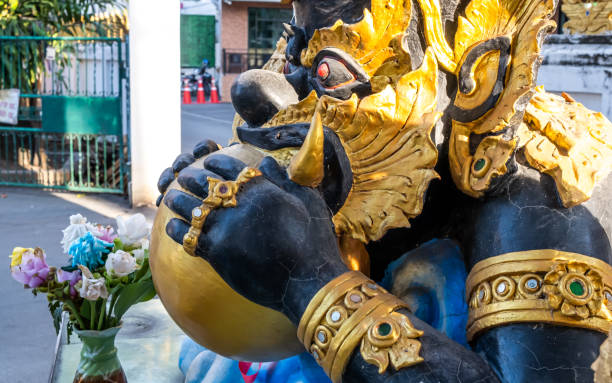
{"type": "Point", "coordinates": [323, 71]}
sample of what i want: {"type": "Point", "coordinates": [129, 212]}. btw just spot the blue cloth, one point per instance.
{"type": "Point", "coordinates": [432, 279]}
{"type": "Point", "coordinates": [204, 366]}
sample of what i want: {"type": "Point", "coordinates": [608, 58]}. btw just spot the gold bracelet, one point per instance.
{"type": "Point", "coordinates": [549, 286]}
{"type": "Point", "coordinates": [352, 310]}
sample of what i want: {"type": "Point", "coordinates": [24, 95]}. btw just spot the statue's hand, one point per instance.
{"type": "Point", "coordinates": [182, 161]}
{"type": "Point", "coordinates": [276, 247]}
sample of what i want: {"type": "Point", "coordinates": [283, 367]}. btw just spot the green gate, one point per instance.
{"type": "Point", "coordinates": [72, 130]}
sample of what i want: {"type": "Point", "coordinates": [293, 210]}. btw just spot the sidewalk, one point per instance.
{"type": "Point", "coordinates": [29, 218]}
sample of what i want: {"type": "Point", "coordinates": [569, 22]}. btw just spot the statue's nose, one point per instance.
{"type": "Point", "coordinates": [258, 95]}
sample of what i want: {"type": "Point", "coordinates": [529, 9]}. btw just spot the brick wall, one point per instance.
{"type": "Point", "coordinates": [235, 34]}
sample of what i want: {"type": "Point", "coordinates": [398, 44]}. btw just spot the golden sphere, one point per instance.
{"type": "Point", "coordinates": [208, 309]}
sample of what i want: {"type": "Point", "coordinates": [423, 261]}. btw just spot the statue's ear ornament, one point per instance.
{"type": "Point", "coordinates": [495, 59]}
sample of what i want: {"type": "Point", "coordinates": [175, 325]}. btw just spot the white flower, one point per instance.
{"type": "Point", "coordinates": [144, 243]}
{"type": "Point", "coordinates": [133, 229]}
{"type": "Point", "coordinates": [78, 227]}
{"type": "Point", "coordinates": [120, 263]}
{"type": "Point", "coordinates": [92, 288]}
{"type": "Point", "coordinates": [139, 255]}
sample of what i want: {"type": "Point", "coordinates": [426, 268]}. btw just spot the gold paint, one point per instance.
{"type": "Point", "coordinates": [603, 365]}
{"type": "Point", "coordinates": [590, 18]}
{"type": "Point", "coordinates": [523, 22]}
{"type": "Point", "coordinates": [495, 150]}
{"type": "Point", "coordinates": [354, 254]}
{"type": "Point", "coordinates": [386, 137]}
{"type": "Point", "coordinates": [204, 306]}
{"type": "Point", "coordinates": [367, 41]}
{"type": "Point", "coordinates": [399, 347]}
{"type": "Point", "coordinates": [550, 302]}
{"type": "Point", "coordinates": [220, 194]}
{"type": "Point", "coordinates": [484, 74]}
{"type": "Point", "coordinates": [306, 167]}
{"type": "Point", "coordinates": [347, 312]}
{"type": "Point", "coordinates": [434, 34]}
{"type": "Point", "coordinates": [572, 144]}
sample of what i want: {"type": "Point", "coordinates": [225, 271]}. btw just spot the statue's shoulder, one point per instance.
{"type": "Point", "coordinates": [572, 144]}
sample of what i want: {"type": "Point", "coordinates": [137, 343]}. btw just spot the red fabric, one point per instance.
{"type": "Point", "coordinates": [244, 369]}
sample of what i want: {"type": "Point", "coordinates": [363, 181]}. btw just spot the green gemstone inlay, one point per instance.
{"type": "Point", "coordinates": [577, 288]}
{"type": "Point", "coordinates": [384, 329]}
{"type": "Point", "coordinates": [480, 164]}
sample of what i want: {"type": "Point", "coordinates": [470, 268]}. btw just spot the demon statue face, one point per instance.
{"type": "Point", "coordinates": [381, 75]}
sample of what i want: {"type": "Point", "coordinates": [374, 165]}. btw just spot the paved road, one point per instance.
{"type": "Point", "coordinates": [208, 121]}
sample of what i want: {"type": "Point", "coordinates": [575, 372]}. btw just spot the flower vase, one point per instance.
{"type": "Point", "coordinates": [99, 362]}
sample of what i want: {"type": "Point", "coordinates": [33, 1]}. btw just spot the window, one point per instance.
{"type": "Point", "coordinates": [265, 28]}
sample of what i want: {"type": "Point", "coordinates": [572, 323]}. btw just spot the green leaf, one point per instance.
{"type": "Point", "coordinates": [85, 310]}
{"type": "Point", "coordinates": [132, 294]}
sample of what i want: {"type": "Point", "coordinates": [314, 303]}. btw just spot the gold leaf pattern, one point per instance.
{"type": "Point", "coordinates": [387, 139]}
{"type": "Point", "coordinates": [399, 347]}
{"type": "Point", "coordinates": [569, 142]}
{"type": "Point", "coordinates": [367, 40]}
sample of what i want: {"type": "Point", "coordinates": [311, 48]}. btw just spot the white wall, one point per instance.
{"type": "Point", "coordinates": [155, 93]}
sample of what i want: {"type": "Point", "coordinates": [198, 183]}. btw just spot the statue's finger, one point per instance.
{"type": "Point", "coordinates": [204, 148]}
{"type": "Point", "coordinates": [165, 179]}
{"type": "Point", "coordinates": [181, 203]}
{"type": "Point", "coordinates": [225, 166]}
{"type": "Point", "coordinates": [182, 161]}
{"type": "Point", "coordinates": [176, 229]}
{"type": "Point", "coordinates": [276, 174]}
{"type": "Point", "coordinates": [196, 180]}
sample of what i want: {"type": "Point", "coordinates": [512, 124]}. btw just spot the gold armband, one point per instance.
{"type": "Point", "coordinates": [549, 286]}
{"type": "Point", "coordinates": [352, 310]}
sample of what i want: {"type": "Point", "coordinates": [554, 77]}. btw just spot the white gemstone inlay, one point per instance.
{"type": "Point", "coordinates": [481, 294]}
{"type": "Point", "coordinates": [197, 212]}
{"type": "Point", "coordinates": [608, 296]}
{"type": "Point", "coordinates": [355, 298]}
{"type": "Point", "coordinates": [335, 316]}
{"type": "Point", "coordinates": [501, 288]}
{"type": "Point", "coordinates": [322, 337]}
{"type": "Point", "coordinates": [532, 283]}
{"type": "Point", "coordinates": [372, 286]}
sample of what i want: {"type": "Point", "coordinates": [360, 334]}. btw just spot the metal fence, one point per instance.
{"type": "Point", "coordinates": [71, 132]}
{"type": "Point", "coordinates": [241, 61]}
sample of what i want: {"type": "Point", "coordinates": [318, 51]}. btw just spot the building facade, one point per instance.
{"type": "Point", "coordinates": [250, 30]}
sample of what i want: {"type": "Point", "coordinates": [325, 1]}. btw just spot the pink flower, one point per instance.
{"type": "Point", "coordinates": [107, 234]}
{"type": "Point", "coordinates": [73, 277]}
{"type": "Point", "coordinates": [33, 269]}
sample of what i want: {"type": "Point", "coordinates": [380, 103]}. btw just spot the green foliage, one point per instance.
{"type": "Point", "coordinates": [22, 63]}
{"type": "Point", "coordinates": [50, 17]}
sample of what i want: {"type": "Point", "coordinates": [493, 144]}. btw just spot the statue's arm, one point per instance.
{"type": "Point", "coordinates": [527, 220]}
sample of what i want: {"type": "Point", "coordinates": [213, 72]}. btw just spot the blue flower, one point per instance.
{"type": "Point", "coordinates": [88, 251]}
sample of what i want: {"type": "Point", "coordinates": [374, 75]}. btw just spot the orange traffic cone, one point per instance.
{"type": "Point", "coordinates": [186, 92]}
{"type": "Point", "coordinates": [201, 99]}
{"type": "Point", "coordinates": [214, 95]}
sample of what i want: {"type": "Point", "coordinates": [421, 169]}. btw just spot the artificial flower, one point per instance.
{"type": "Point", "coordinates": [72, 277]}
{"type": "Point", "coordinates": [32, 270]}
{"type": "Point", "coordinates": [78, 227]}
{"type": "Point", "coordinates": [139, 255]}
{"type": "Point", "coordinates": [91, 288]}
{"type": "Point", "coordinates": [107, 234]}
{"type": "Point", "coordinates": [144, 243]}
{"type": "Point", "coordinates": [88, 251]}
{"type": "Point", "coordinates": [17, 254]}
{"type": "Point", "coordinates": [120, 264]}
{"type": "Point", "coordinates": [132, 230]}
